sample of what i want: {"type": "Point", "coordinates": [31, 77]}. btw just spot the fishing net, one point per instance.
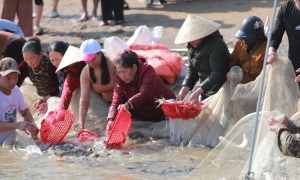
{"type": "Point", "coordinates": [229, 159]}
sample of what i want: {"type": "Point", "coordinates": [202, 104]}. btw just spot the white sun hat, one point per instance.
{"type": "Point", "coordinates": [71, 56]}
{"type": "Point", "coordinates": [195, 27]}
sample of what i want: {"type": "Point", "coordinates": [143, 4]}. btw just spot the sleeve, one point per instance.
{"type": "Point", "coordinates": [218, 65]}
{"type": "Point", "coordinates": [279, 28]}
{"type": "Point", "coordinates": [234, 58]}
{"type": "Point", "coordinates": [147, 88]}
{"type": "Point", "coordinates": [118, 99]}
{"type": "Point", "coordinates": [288, 143]}
{"type": "Point", "coordinates": [23, 73]}
{"type": "Point", "coordinates": [21, 105]}
{"type": "Point", "coordinates": [54, 80]}
{"type": "Point", "coordinates": [71, 83]}
{"type": "Point", "coordinates": [192, 75]}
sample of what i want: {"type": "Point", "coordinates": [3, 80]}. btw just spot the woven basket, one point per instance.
{"type": "Point", "coordinates": [85, 135]}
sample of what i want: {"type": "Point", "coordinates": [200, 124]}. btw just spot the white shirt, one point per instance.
{"type": "Point", "coordinates": [9, 106]}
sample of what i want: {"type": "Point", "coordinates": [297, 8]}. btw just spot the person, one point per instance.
{"type": "Point", "coordinates": [54, 12]}
{"type": "Point", "coordinates": [11, 46]}
{"type": "Point", "coordinates": [249, 49]}
{"type": "Point", "coordinates": [69, 76]}
{"type": "Point", "coordinates": [12, 101]}
{"type": "Point", "coordinates": [112, 12]}
{"type": "Point", "coordinates": [84, 16]}
{"type": "Point", "coordinates": [287, 133]}
{"type": "Point", "coordinates": [137, 89]}
{"type": "Point", "coordinates": [38, 11]}
{"type": "Point", "coordinates": [208, 58]}
{"type": "Point", "coordinates": [97, 75]}
{"type": "Point", "coordinates": [9, 26]}
{"type": "Point", "coordinates": [23, 9]}
{"type": "Point", "coordinates": [41, 72]}
{"type": "Point", "coordinates": [150, 3]}
{"type": "Point", "coordinates": [287, 20]}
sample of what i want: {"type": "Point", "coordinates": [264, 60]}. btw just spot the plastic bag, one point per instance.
{"type": "Point", "coordinates": [114, 45]}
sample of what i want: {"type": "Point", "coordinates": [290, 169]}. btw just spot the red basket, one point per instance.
{"type": "Point", "coordinates": [181, 110]}
{"type": "Point", "coordinates": [121, 126]}
{"type": "Point", "coordinates": [56, 126]}
{"type": "Point", "coordinates": [85, 135]}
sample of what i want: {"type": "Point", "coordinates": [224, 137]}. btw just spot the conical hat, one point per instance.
{"type": "Point", "coordinates": [195, 27]}
{"type": "Point", "coordinates": [72, 55]}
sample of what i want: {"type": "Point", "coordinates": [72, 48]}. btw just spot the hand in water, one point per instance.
{"type": "Point", "coordinates": [109, 127]}
{"type": "Point", "coordinates": [28, 128]}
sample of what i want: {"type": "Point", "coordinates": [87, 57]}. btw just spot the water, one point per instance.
{"type": "Point", "coordinates": [137, 160]}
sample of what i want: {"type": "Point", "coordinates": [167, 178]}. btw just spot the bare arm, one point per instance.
{"type": "Point", "coordinates": [85, 96]}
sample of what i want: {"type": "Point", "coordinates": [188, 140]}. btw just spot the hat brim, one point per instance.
{"type": "Point", "coordinates": [72, 55]}
{"type": "Point", "coordinates": [5, 73]}
{"type": "Point", "coordinates": [295, 116]}
{"type": "Point", "coordinates": [87, 57]}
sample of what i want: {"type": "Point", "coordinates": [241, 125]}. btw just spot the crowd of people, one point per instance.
{"type": "Point", "coordinates": [129, 81]}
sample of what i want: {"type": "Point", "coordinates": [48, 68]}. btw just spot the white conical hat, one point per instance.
{"type": "Point", "coordinates": [195, 27]}
{"type": "Point", "coordinates": [72, 55]}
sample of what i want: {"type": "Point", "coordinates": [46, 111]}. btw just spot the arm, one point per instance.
{"type": "Point", "coordinates": [71, 83]}
{"type": "Point", "coordinates": [234, 58]}
{"type": "Point", "coordinates": [54, 80]}
{"type": "Point", "coordinates": [118, 99]}
{"type": "Point", "coordinates": [279, 28]}
{"type": "Point", "coordinates": [23, 70]}
{"type": "Point", "coordinates": [147, 89]}
{"type": "Point", "coordinates": [218, 64]}
{"type": "Point", "coordinates": [85, 95]}
{"type": "Point", "coordinates": [192, 75]}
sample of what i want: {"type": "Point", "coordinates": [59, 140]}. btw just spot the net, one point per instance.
{"type": "Point", "coordinates": [229, 159]}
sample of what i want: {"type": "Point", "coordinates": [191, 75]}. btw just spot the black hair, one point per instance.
{"type": "Point", "coordinates": [127, 59]}
{"type": "Point", "coordinates": [105, 79]}
{"type": "Point", "coordinates": [58, 46]}
{"type": "Point", "coordinates": [33, 45]}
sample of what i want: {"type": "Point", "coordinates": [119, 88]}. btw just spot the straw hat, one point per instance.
{"type": "Point", "coordinates": [297, 114]}
{"type": "Point", "coordinates": [71, 56]}
{"type": "Point", "coordinates": [195, 27]}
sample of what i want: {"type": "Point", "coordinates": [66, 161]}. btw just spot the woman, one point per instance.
{"type": "Point", "coordinates": [249, 49]}
{"type": "Point", "coordinates": [208, 58]}
{"type": "Point", "coordinates": [69, 77]}
{"type": "Point", "coordinates": [137, 89]}
{"type": "Point", "coordinates": [40, 71]}
{"type": "Point", "coordinates": [96, 75]}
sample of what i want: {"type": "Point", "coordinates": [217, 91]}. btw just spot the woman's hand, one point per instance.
{"type": "Point", "coordinates": [183, 92]}
{"type": "Point", "coordinates": [228, 76]}
{"type": "Point", "coordinates": [109, 127]}
{"type": "Point", "coordinates": [272, 55]}
{"type": "Point", "coordinates": [194, 99]}
{"type": "Point", "coordinates": [126, 106]}
{"type": "Point", "coordinates": [28, 128]}
{"type": "Point", "coordinates": [297, 79]}
{"type": "Point", "coordinates": [274, 124]}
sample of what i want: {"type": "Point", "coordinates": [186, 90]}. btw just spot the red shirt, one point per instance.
{"type": "Point", "coordinates": [72, 82]}
{"type": "Point", "coordinates": [142, 93]}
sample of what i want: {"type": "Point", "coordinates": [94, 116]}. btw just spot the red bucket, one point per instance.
{"type": "Point", "coordinates": [181, 110]}
{"type": "Point", "coordinates": [121, 126]}
{"type": "Point", "coordinates": [56, 126]}
{"type": "Point", "coordinates": [85, 135]}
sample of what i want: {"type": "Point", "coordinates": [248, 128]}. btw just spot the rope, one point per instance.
{"type": "Point", "coordinates": [250, 175]}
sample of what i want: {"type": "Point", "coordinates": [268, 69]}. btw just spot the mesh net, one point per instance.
{"type": "Point", "coordinates": [121, 127]}
{"type": "Point", "coordinates": [229, 159]}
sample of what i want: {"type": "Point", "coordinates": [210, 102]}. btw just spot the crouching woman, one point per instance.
{"type": "Point", "coordinates": [137, 89]}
